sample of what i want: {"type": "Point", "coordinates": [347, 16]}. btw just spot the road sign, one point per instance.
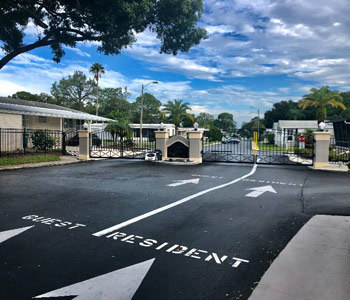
{"type": "Point", "coordinates": [301, 139]}
{"type": "Point", "coordinates": [257, 191]}
{"type": "Point", "coordinates": [120, 284]}
{"type": "Point", "coordinates": [182, 182]}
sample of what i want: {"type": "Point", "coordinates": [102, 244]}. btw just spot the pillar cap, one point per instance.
{"type": "Point", "coordinates": [322, 136]}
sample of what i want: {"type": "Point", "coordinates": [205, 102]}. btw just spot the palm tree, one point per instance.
{"type": "Point", "coordinates": [97, 69]}
{"type": "Point", "coordinates": [321, 99]}
{"type": "Point", "coordinates": [177, 111]}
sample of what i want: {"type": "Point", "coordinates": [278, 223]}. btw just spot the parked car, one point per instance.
{"type": "Point", "coordinates": [74, 140]}
{"type": "Point", "coordinates": [231, 140]}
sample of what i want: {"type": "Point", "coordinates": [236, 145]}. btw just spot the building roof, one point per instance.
{"type": "Point", "coordinates": [152, 126]}
{"type": "Point", "coordinates": [23, 107]}
{"type": "Point", "coordinates": [303, 124]}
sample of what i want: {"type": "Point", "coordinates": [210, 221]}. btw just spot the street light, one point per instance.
{"type": "Point", "coordinates": [195, 126]}
{"type": "Point", "coordinates": [141, 108]}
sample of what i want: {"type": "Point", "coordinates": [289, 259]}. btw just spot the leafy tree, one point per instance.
{"type": "Point", "coordinates": [75, 91]}
{"type": "Point", "coordinates": [248, 127]}
{"type": "Point", "coordinates": [177, 111]}
{"type": "Point", "coordinates": [214, 134]}
{"type": "Point", "coordinates": [151, 109]}
{"type": "Point", "coordinates": [42, 97]}
{"type": "Point", "coordinates": [295, 114]}
{"type": "Point", "coordinates": [111, 23]}
{"type": "Point", "coordinates": [205, 120]}
{"type": "Point", "coordinates": [321, 98]}
{"type": "Point", "coordinates": [114, 104]}
{"type": "Point", "coordinates": [97, 69]}
{"type": "Point", "coordinates": [225, 122]}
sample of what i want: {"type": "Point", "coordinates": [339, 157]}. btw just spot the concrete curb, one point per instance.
{"type": "Point", "coordinates": [332, 168]}
{"type": "Point", "coordinates": [313, 266]}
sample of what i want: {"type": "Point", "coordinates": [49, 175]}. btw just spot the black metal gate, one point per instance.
{"type": "Point", "coordinates": [288, 147]}
{"type": "Point", "coordinates": [121, 143]}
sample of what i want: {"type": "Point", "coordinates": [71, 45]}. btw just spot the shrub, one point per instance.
{"type": "Point", "coordinates": [270, 137]}
{"type": "Point", "coordinates": [42, 141]}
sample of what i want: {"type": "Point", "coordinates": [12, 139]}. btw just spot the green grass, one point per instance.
{"type": "Point", "coordinates": [29, 159]}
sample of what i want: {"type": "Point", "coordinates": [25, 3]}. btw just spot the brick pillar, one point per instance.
{"type": "Point", "coordinates": [84, 144]}
{"type": "Point", "coordinates": [161, 142]}
{"type": "Point", "coordinates": [322, 141]}
{"type": "Point", "coordinates": [195, 138]}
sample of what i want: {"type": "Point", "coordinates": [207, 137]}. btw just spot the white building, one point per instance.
{"type": "Point", "coordinates": [286, 130]}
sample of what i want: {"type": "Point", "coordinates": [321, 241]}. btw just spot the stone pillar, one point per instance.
{"type": "Point", "coordinates": [161, 143]}
{"type": "Point", "coordinates": [195, 138]}
{"type": "Point", "coordinates": [84, 144]}
{"type": "Point", "coordinates": [322, 141]}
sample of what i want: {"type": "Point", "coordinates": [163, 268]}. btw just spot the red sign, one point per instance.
{"type": "Point", "coordinates": [301, 139]}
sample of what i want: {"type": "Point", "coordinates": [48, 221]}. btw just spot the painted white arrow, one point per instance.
{"type": "Point", "coordinates": [182, 182]}
{"type": "Point", "coordinates": [121, 284]}
{"type": "Point", "coordinates": [257, 191]}
{"type": "Point", "coordinates": [5, 235]}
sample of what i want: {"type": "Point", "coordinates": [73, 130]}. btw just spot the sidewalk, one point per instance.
{"type": "Point", "coordinates": [333, 168]}
{"type": "Point", "coordinates": [64, 161]}
{"type": "Point", "coordinates": [315, 265]}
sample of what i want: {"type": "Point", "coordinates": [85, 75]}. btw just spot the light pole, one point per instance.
{"type": "Point", "coordinates": [141, 108]}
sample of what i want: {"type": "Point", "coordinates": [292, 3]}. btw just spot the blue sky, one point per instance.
{"type": "Point", "coordinates": [258, 53]}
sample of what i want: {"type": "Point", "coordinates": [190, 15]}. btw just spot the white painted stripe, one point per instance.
{"type": "Point", "coordinates": [171, 205]}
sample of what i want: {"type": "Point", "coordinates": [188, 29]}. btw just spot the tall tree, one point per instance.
{"type": "Point", "coordinates": [112, 23]}
{"type": "Point", "coordinates": [75, 91]}
{"type": "Point", "coordinates": [225, 122]}
{"type": "Point", "coordinates": [321, 98]}
{"type": "Point", "coordinates": [205, 120]}
{"type": "Point", "coordinates": [176, 111]}
{"type": "Point", "coordinates": [114, 104]}
{"type": "Point", "coordinates": [97, 69]}
{"type": "Point", "coordinates": [151, 109]}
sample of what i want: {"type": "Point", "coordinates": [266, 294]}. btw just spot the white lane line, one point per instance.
{"type": "Point", "coordinates": [161, 209]}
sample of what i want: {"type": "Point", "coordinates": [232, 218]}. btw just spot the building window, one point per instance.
{"type": "Point", "coordinates": [42, 120]}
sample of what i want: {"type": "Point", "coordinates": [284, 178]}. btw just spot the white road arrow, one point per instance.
{"type": "Point", "coordinates": [5, 235]}
{"type": "Point", "coordinates": [257, 191]}
{"type": "Point", "coordinates": [121, 284]}
{"type": "Point", "coordinates": [182, 182]}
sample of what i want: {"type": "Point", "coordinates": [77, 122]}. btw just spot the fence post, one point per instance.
{"type": "Point", "coordinates": [161, 142]}
{"type": "Point", "coordinates": [195, 151]}
{"type": "Point", "coordinates": [84, 144]}
{"type": "Point", "coordinates": [0, 141]}
{"type": "Point", "coordinates": [322, 141]}
{"type": "Point", "coordinates": [24, 141]}
{"type": "Point", "coordinates": [64, 152]}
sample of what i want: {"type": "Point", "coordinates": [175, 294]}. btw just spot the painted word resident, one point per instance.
{"type": "Point", "coordinates": [176, 249]}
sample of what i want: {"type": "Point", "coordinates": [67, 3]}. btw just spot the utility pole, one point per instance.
{"type": "Point", "coordinates": [141, 108]}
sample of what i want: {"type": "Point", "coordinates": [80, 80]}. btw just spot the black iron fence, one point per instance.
{"type": "Point", "coordinates": [339, 151]}
{"type": "Point", "coordinates": [121, 143]}
{"type": "Point", "coordinates": [30, 141]}
{"type": "Point", "coordinates": [277, 147]}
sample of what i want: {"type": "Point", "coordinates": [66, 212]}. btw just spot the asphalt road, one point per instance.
{"type": "Point", "coordinates": [212, 245]}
